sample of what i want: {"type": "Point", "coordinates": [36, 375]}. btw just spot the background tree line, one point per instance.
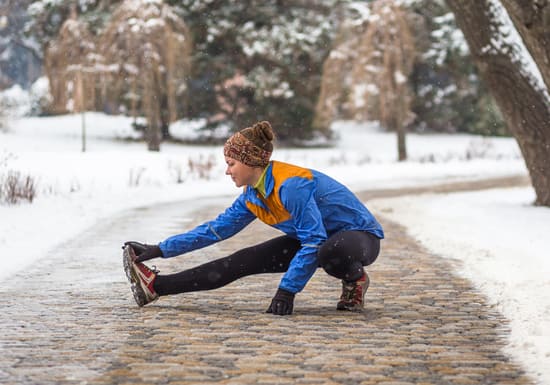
{"type": "Point", "coordinates": [302, 64]}
{"type": "Point", "coordinates": [249, 60]}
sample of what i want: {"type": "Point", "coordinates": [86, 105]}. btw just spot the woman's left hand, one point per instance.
{"type": "Point", "coordinates": [282, 303]}
{"type": "Point", "coordinates": [144, 252]}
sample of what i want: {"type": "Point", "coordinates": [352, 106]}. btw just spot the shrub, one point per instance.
{"type": "Point", "coordinates": [15, 187]}
{"type": "Point", "coordinates": [202, 167]}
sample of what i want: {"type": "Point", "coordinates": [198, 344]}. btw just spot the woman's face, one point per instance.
{"type": "Point", "coordinates": [240, 173]}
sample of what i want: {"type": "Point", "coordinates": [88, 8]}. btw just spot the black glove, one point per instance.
{"type": "Point", "coordinates": [144, 252]}
{"type": "Point", "coordinates": [282, 303]}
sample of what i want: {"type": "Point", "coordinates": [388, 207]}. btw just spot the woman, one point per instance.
{"type": "Point", "coordinates": [325, 225]}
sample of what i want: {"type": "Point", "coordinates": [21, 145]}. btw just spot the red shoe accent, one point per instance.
{"type": "Point", "coordinates": [140, 277]}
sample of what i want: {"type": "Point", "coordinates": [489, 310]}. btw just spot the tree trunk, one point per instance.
{"type": "Point", "coordinates": [532, 20]}
{"type": "Point", "coordinates": [401, 142]}
{"type": "Point", "coordinates": [151, 107]}
{"type": "Point", "coordinates": [404, 122]}
{"type": "Point", "coordinates": [153, 131]}
{"type": "Point", "coordinates": [525, 108]}
{"type": "Point", "coordinates": [153, 136]}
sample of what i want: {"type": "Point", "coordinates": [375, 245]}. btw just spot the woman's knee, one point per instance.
{"type": "Point", "coordinates": [341, 268]}
{"type": "Point", "coordinates": [346, 253]}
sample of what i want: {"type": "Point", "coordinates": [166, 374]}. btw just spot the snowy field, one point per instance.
{"type": "Point", "coordinates": [501, 239]}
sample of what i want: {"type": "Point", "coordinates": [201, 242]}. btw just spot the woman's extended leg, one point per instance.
{"type": "Point", "coordinates": [272, 256]}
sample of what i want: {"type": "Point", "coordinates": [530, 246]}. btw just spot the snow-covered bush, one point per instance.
{"type": "Point", "coordinates": [14, 102]}
{"type": "Point", "coordinates": [3, 121]}
{"type": "Point", "coordinates": [39, 96]}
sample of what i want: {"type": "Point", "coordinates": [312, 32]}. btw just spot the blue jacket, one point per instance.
{"type": "Point", "coordinates": [304, 204]}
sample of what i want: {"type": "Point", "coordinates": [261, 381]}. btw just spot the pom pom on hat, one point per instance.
{"type": "Point", "coordinates": [252, 145]}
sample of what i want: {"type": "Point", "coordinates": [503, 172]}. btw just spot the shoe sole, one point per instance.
{"type": "Point", "coordinates": [128, 263]}
{"type": "Point", "coordinates": [353, 308]}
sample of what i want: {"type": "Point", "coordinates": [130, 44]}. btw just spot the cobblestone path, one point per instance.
{"type": "Point", "coordinates": [70, 319]}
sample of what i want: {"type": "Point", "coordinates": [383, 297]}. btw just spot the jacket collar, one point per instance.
{"type": "Point", "coordinates": [269, 182]}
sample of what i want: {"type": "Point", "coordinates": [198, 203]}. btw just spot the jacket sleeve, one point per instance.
{"type": "Point", "coordinates": [227, 224]}
{"type": "Point", "coordinates": [297, 195]}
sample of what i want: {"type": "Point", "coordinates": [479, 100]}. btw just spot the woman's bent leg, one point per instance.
{"type": "Point", "coordinates": [272, 256]}
{"type": "Point", "coordinates": [344, 254]}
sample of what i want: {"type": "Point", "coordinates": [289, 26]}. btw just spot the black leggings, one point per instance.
{"type": "Point", "coordinates": [343, 256]}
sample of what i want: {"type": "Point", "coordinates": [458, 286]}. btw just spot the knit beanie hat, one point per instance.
{"type": "Point", "coordinates": [252, 145]}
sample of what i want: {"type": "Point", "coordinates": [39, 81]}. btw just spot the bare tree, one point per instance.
{"type": "Point", "coordinates": [385, 57]}
{"type": "Point", "coordinates": [520, 95]}
{"type": "Point", "coordinates": [147, 47]}
{"type": "Point", "coordinates": [367, 72]}
{"type": "Point", "coordinates": [333, 101]}
{"type": "Point", "coordinates": [68, 67]}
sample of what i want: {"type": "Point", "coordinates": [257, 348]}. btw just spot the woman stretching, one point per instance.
{"type": "Point", "coordinates": [324, 223]}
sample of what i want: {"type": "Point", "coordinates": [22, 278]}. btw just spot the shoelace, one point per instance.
{"type": "Point", "coordinates": [348, 293]}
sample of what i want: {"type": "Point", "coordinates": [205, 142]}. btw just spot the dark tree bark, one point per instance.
{"type": "Point", "coordinates": [524, 105]}
{"type": "Point", "coordinates": [532, 21]}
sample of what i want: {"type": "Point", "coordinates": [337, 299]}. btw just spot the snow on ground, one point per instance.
{"type": "Point", "coordinates": [497, 234]}
{"type": "Point", "coordinates": [501, 243]}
